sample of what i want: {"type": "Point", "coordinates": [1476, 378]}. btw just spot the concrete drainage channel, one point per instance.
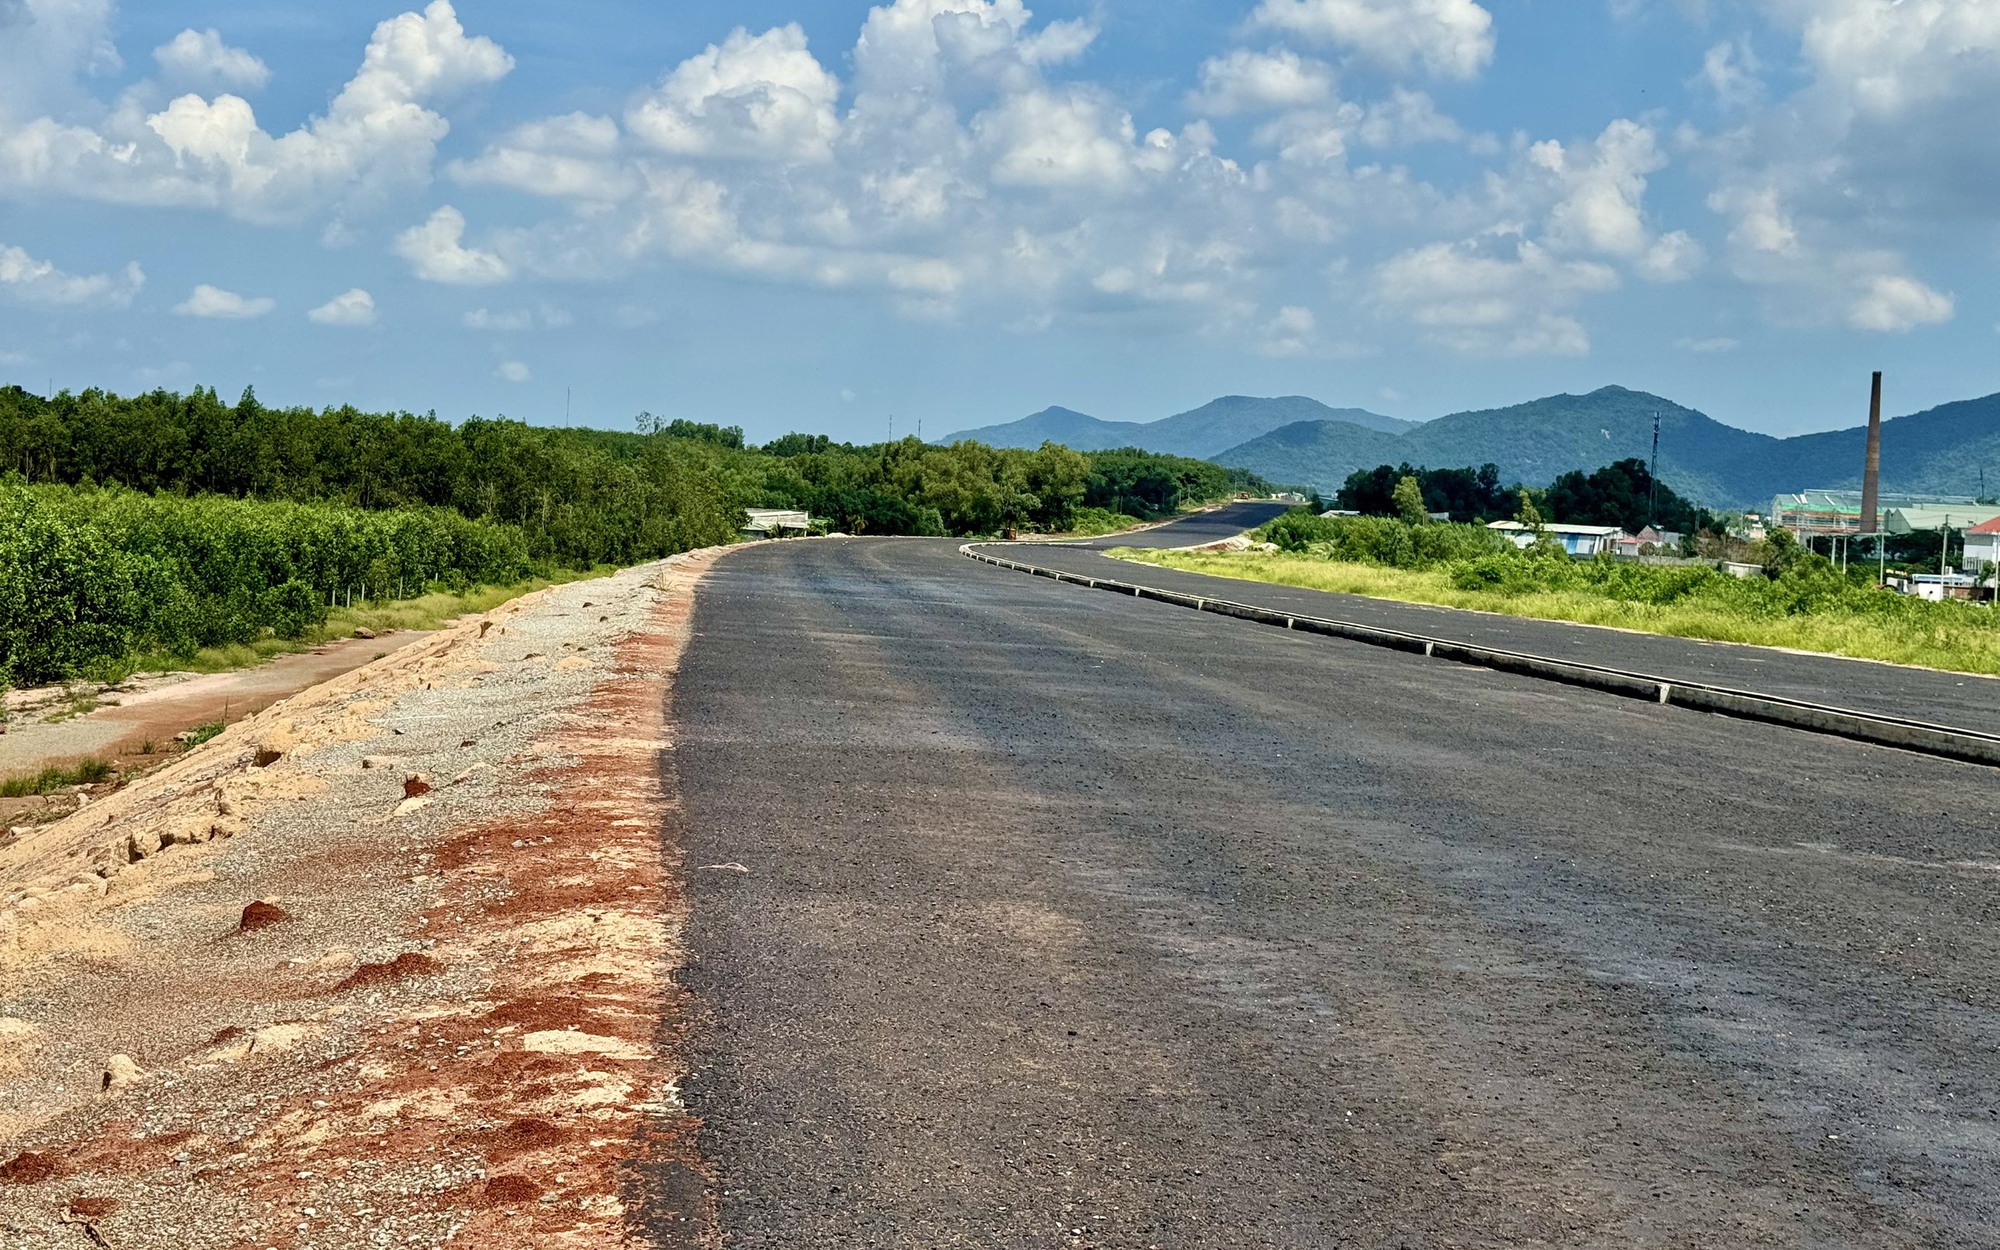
{"type": "Point", "coordinates": [1966, 745]}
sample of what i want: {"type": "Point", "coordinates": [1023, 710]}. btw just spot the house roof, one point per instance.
{"type": "Point", "coordinates": [1592, 531]}
{"type": "Point", "coordinates": [1989, 527]}
{"type": "Point", "coordinates": [1904, 520]}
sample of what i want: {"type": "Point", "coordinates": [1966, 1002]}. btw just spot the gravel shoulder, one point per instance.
{"type": "Point", "coordinates": [384, 964]}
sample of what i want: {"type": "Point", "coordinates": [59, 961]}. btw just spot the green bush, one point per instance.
{"type": "Point", "coordinates": [1380, 540]}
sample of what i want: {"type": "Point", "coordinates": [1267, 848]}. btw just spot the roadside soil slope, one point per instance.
{"type": "Point", "coordinates": [384, 964]}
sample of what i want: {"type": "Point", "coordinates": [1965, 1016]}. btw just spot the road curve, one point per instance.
{"type": "Point", "coordinates": [1071, 920]}
{"type": "Point", "coordinates": [1196, 530]}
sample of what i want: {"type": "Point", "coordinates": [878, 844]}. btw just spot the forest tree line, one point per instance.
{"type": "Point", "coordinates": [579, 496]}
{"type": "Point", "coordinates": [1623, 494]}
{"type": "Point", "coordinates": [164, 522]}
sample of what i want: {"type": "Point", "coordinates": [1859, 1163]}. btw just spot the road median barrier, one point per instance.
{"type": "Point", "coordinates": [1969, 746]}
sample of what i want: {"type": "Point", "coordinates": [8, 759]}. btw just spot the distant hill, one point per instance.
{"type": "Point", "coordinates": [1314, 453]}
{"type": "Point", "coordinates": [1054, 425]}
{"type": "Point", "coordinates": [1934, 452]}
{"type": "Point", "coordinates": [1939, 451]}
{"type": "Point", "coordinates": [1201, 433]}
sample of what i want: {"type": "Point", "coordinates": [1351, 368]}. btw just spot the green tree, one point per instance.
{"type": "Point", "coordinates": [1529, 515]}
{"type": "Point", "coordinates": [1410, 502]}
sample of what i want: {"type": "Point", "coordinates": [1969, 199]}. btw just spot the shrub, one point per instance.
{"type": "Point", "coordinates": [1380, 540]}
{"type": "Point", "coordinates": [88, 576]}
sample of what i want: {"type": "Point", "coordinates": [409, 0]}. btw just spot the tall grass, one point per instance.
{"type": "Point", "coordinates": [1811, 610]}
{"type": "Point", "coordinates": [54, 778]}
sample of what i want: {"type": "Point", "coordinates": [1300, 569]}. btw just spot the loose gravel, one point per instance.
{"type": "Point", "coordinates": [441, 1021]}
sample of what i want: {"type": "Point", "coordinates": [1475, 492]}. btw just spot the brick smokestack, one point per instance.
{"type": "Point", "coordinates": [1871, 474]}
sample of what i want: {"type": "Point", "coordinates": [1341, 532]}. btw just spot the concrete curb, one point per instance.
{"type": "Point", "coordinates": [1969, 746]}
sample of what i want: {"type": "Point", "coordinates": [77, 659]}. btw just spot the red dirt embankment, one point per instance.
{"type": "Point", "coordinates": [387, 964]}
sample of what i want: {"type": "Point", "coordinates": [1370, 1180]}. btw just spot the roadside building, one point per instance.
{"type": "Point", "coordinates": [1647, 542]}
{"type": "Point", "coordinates": [1936, 587]}
{"type": "Point", "coordinates": [1812, 514]}
{"type": "Point", "coordinates": [776, 523]}
{"type": "Point", "coordinates": [1578, 540]}
{"type": "Point", "coordinates": [1910, 520]}
{"type": "Point", "coordinates": [1982, 546]}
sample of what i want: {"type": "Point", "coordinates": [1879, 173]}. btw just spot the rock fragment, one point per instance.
{"type": "Point", "coordinates": [261, 915]}
{"type": "Point", "coordinates": [120, 1072]}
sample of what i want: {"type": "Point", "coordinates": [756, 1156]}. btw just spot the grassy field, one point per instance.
{"type": "Point", "coordinates": [1954, 636]}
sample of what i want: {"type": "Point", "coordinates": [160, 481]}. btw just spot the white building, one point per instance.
{"type": "Point", "coordinates": [1982, 546]}
{"type": "Point", "coordinates": [776, 522]}
{"type": "Point", "coordinates": [1577, 540]}
{"type": "Point", "coordinates": [1935, 517]}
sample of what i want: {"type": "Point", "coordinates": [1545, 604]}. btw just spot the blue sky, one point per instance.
{"type": "Point", "coordinates": [816, 215]}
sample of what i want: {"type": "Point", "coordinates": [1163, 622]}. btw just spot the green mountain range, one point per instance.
{"type": "Point", "coordinates": [1937, 452]}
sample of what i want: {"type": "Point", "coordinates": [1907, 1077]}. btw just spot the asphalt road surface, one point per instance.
{"type": "Point", "coordinates": [1073, 920]}
{"type": "Point", "coordinates": [1197, 530]}
{"type": "Point", "coordinates": [1957, 699]}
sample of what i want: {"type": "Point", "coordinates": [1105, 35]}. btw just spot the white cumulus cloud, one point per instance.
{"type": "Point", "coordinates": [217, 304]}
{"type": "Point", "coordinates": [379, 134]}
{"type": "Point", "coordinates": [751, 97]}
{"type": "Point", "coordinates": [39, 282]}
{"type": "Point", "coordinates": [1887, 145]}
{"type": "Point", "coordinates": [1603, 189]}
{"type": "Point", "coordinates": [1897, 303]}
{"type": "Point", "coordinates": [1495, 295]}
{"type": "Point", "coordinates": [513, 371]}
{"type": "Point", "coordinates": [437, 253]}
{"type": "Point", "coordinates": [350, 308]}
{"type": "Point", "coordinates": [1244, 81]}
{"type": "Point", "coordinates": [1450, 38]}
{"type": "Point", "coordinates": [46, 46]}
{"type": "Point", "coordinates": [200, 58]}
{"type": "Point", "coordinates": [569, 157]}
{"type": "Point", "coordinates": [1732, 74]}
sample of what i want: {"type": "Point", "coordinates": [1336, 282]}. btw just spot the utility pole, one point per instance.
{"type": "Point", "coordinates": [1653, 474]}
{"type": "Point", "coordinates": [1944, 548]}
{"type": "Point", "coordinates": [565, 405]}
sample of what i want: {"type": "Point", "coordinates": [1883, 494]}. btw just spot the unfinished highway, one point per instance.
{"type": "Point", "coordinates": [1029, 916]}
